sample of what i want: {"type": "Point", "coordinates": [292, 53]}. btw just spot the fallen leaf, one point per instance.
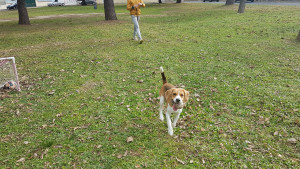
{"type": "Point", "coordinates": [59, 115]}
{"type": "Point", "coordinates": [58, 146]}
{"type": "Point", "coordinates": [212, 108]}
{"type": "Point", "coordinates": [51, 93]}
{"type": "Point", "coordinates": [184, 135]}
{"type": "Point", "coordinates": [196, 95]}
{"type": "Point", "coordinates": [18, 113]}
{"type": "Point", "coordinates": [180, 161]}
{"type": "Point", "coordinates": [125, 154]}
{"type": "Point", "coordinates": [275, 133]}
{"type": "Point", "coordinates": [99, 146]}
{"type": "Point", "coordinates": [261, 120]}
{"type": "Point", "coordinates": [26, 142]}
{"type": "Point", "coordinates": [21, 160]}
{"type": "Point", "coordinates": [120, 156]}
{"type": "Point", "coordinates": [292, 140]}
{"type": "Point", "coordinates": [140, 81]}
{"type": "Point", "coordinates": [129, 139]}
{"type": "Point", "coordinates": [214, 90]}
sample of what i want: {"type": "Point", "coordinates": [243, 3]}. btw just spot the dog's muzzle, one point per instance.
{"type": "Point", "coordinates": [177, 104]}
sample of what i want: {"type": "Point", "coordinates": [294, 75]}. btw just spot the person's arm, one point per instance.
{"type": "Point", "coordinates": [129, 5]}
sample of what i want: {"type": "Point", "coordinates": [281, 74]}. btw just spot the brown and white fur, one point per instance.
{"type": "Point", "coordinates": [175, 98]}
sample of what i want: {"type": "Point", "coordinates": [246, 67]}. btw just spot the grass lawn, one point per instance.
{"type": "Point", "coordinates": [80, 99]}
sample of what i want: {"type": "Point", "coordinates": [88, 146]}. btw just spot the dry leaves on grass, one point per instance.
{"type": "Point", "coordinates": [263, 120]}
{"type": "Point", "coordinates": [21, 160]}
{"type": "Point", "coordinates": [129, 139]}
{"type": "Point", "coordinates": [292, 140]}
{"type": "Point", "coordinates": [123, 155]}
{"type": "Point", "coordinates": [180, 161]}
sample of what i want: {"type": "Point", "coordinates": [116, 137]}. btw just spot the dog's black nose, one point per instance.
{"type": "Point", "coordinates": [177, 100]}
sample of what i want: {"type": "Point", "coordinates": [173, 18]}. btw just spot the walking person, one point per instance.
{"type": "Point", "coordinates": [134, 7]}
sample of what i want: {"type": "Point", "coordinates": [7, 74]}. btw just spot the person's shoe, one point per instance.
{"type": "Point", "coordinates": [141, 41]}
{"type": "Point", "coordinates": [134, 39]}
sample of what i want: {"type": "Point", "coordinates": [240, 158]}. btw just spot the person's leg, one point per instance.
{"type": "Point", "coordinates": [133, 18]}
{"type": "Point", "coordinates": [136, 26]}
{"type": "Point", "coordinates": [138, 31]}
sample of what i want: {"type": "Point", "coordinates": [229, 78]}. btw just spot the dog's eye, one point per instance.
{"type": "Point", "coordinates": [181, 95]}
{"type": "Point", "coordinates": [174, 94]}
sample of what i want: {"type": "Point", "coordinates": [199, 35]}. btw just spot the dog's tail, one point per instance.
{"type": "Point", "coordinates": [163, 75]}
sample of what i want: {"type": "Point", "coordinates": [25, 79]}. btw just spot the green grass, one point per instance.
{"type": "Point", "coordinates": [244, 67]}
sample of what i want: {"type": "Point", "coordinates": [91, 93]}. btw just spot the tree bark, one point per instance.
{"type": "Point", "coordinates": [23, 14]}
{"type": "Point", "coordinates": [109, 9]}
{"type": "Point", "coordinates": [178, 1]}
{"type": "Point", "coordinates": [298, 38]}
{"type": "Point", "coordinates": [242, 6]}
{"type": "Point", "coordinates": [229, 2]}
{"type": "Point", "coordinates": [159, 1]}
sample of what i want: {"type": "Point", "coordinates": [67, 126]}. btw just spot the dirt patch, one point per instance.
{"type": "Point", "coordinates": [88, 86]}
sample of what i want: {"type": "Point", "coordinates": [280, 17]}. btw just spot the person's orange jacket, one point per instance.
{"type": "Point", "coordinates": [133, 10]}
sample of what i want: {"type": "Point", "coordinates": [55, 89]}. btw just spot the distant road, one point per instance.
{"type": "Point", "coordinates": [255, 3]}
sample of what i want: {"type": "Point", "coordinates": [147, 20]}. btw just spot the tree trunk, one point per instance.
{"type": "Point", "coordinates": [298, 38]}
{"type": "Point", "coordinates": [159, 1]}
{"type": "Point", "coordinates": [178, 1]}
{"type": "Point", "coordinates": [229, 2]}
{"type": "Point", "coordinates": [242, 6]}
{"type": "Point", "coordinates": [109, 9]}
{"type": "Point", "coordinates": [83, 2]}
{"type": "Point", "coordinates": [23, 14]}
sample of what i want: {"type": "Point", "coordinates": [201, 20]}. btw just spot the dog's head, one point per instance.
{"type": "Point", "coordinates": [177, 97]}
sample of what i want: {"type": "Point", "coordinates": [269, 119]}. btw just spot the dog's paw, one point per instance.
{"type": "Point", "coordinates": [161, 118]}
{"type": "Point", "coordinates": [170, 132]}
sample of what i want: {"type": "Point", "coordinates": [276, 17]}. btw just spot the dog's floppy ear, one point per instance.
{"type": "Point", "coordinates": [168, 95]}
{"type": "Point", "coordinates": [186, 96]}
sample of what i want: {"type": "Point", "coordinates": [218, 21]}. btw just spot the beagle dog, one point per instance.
{"type": "Point", "coordinates": [175, 98]}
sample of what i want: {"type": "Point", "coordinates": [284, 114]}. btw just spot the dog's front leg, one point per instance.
{"type": "Point", "coordinates": [161, 108]}
{"type": "Point", "coordinates": [176, 118]}
{"type": "Point", "coordinates": [170, 128]}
